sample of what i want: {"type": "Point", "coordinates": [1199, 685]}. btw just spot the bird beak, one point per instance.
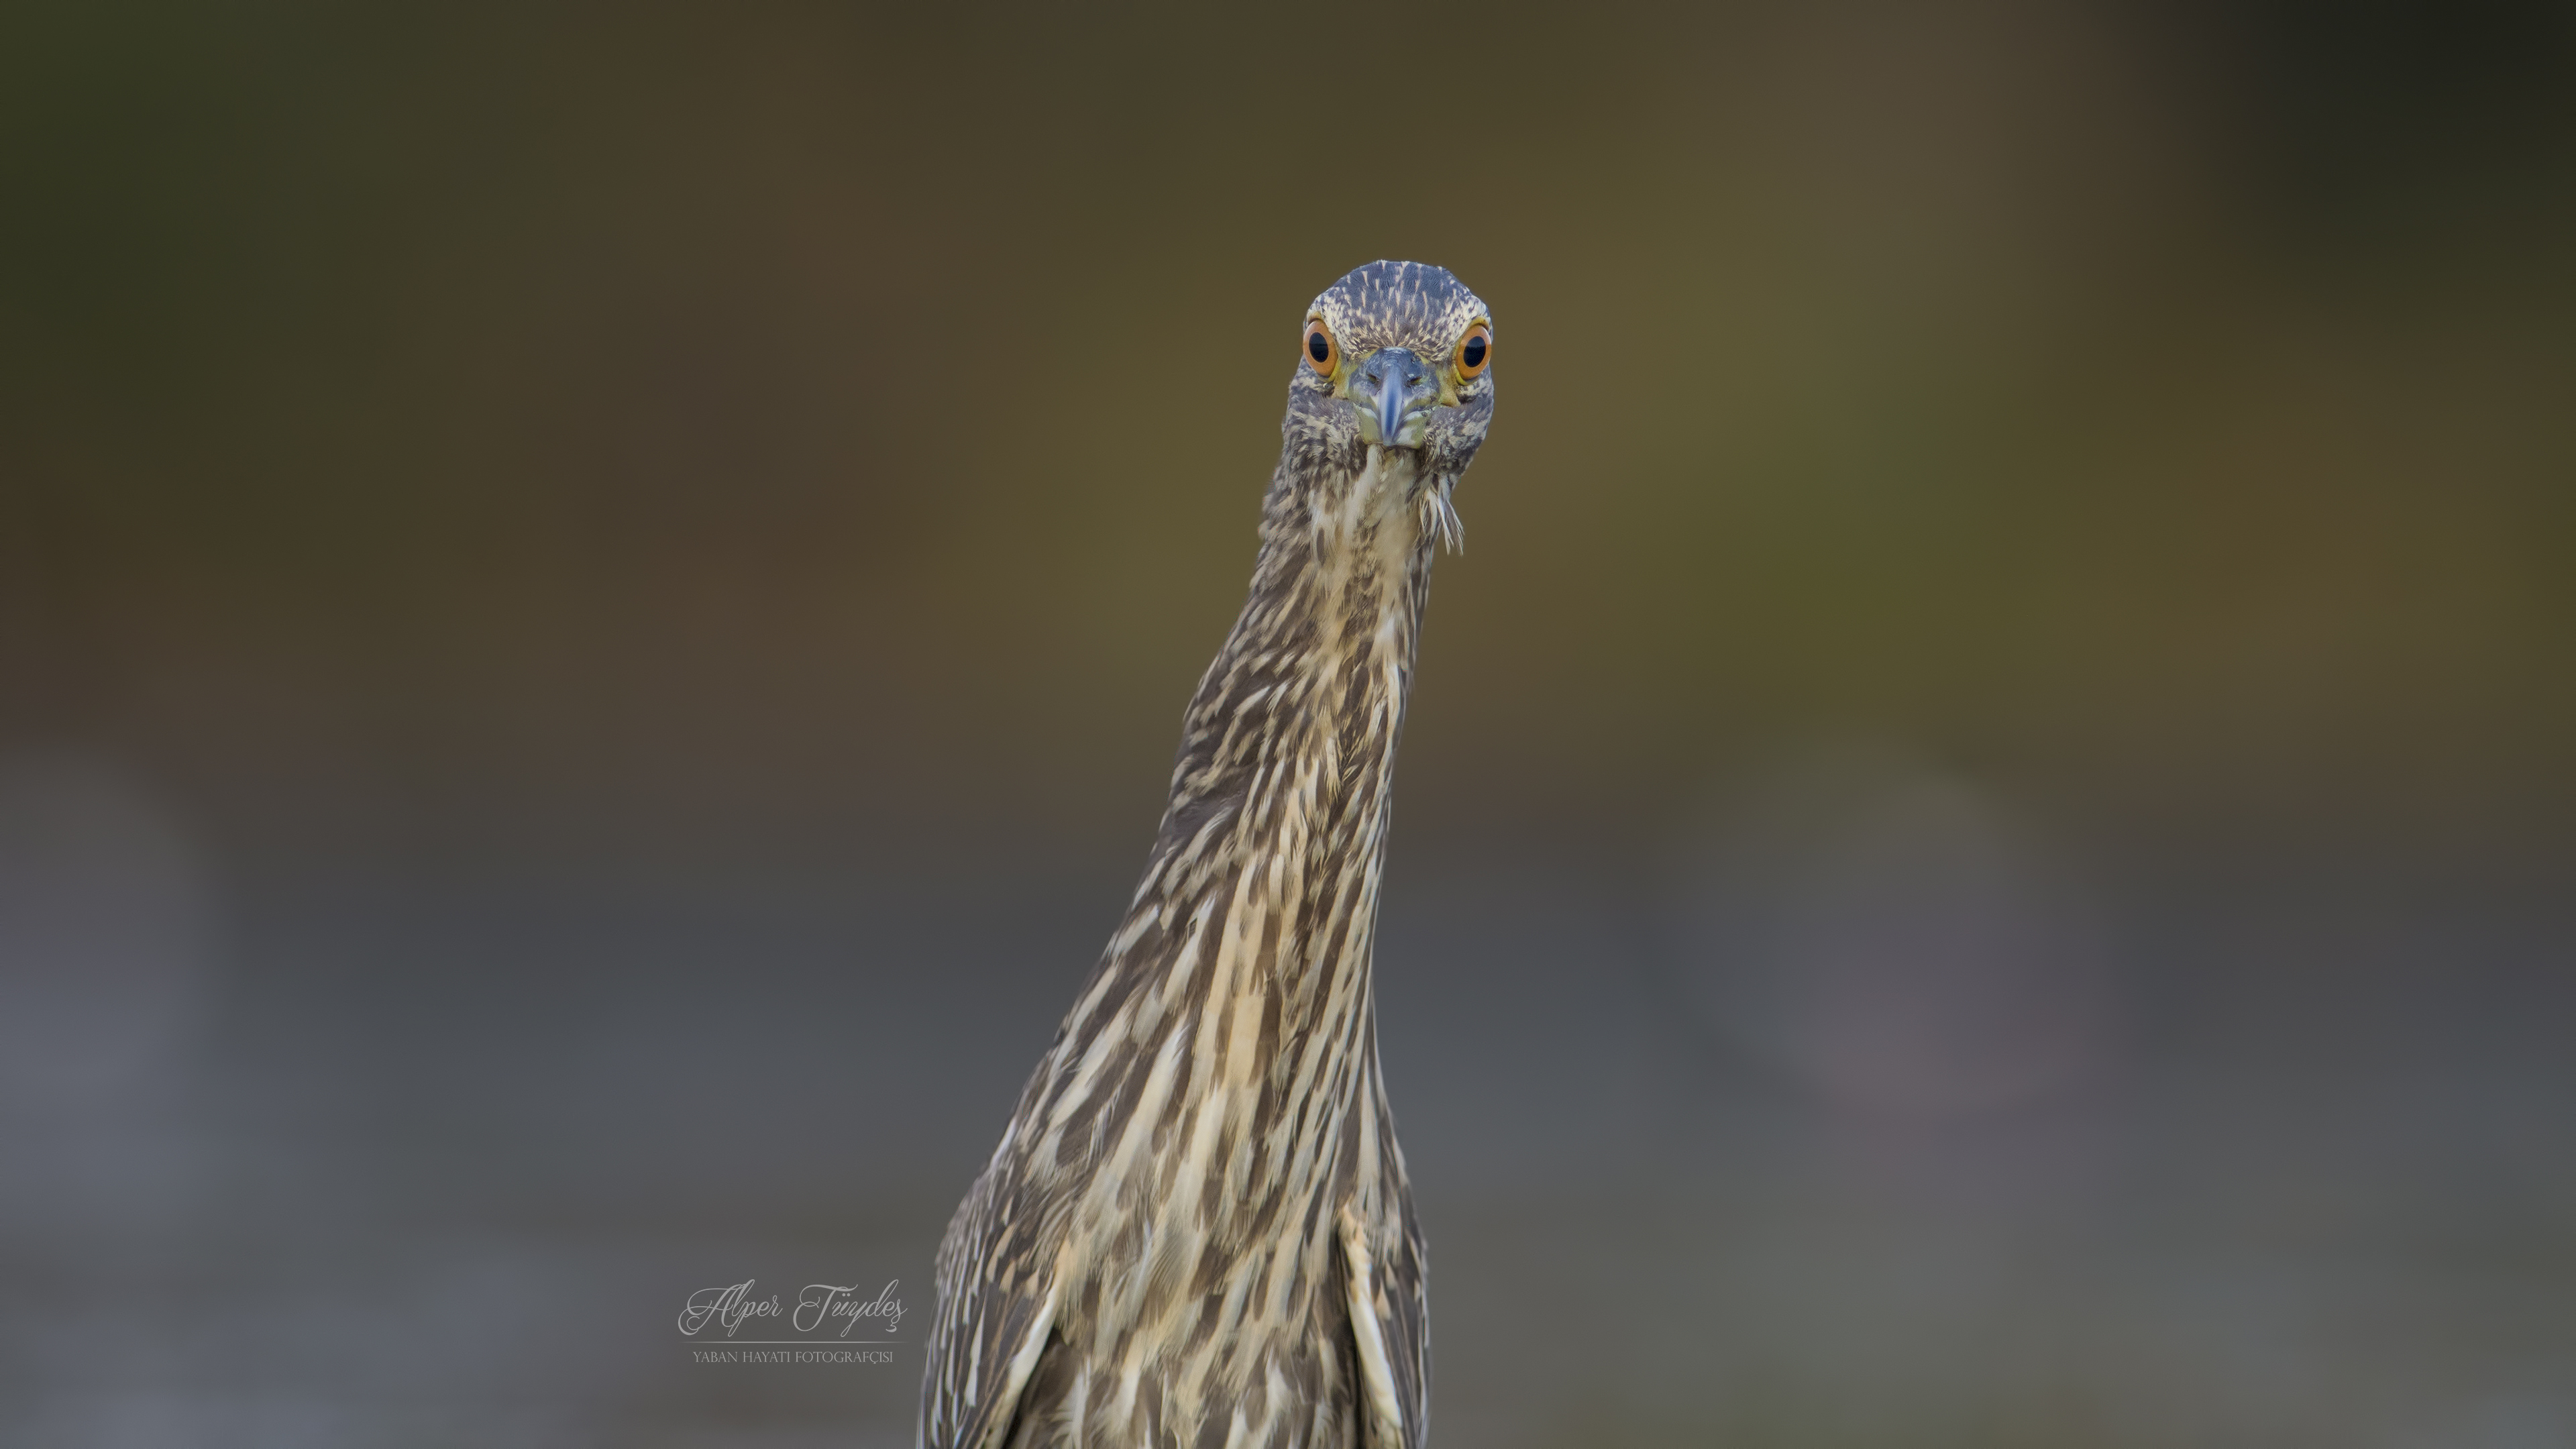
{"type": "Point", "coordinates": [1394, 391]}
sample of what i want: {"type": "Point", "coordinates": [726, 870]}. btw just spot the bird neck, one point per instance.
{"type": "Point", "coordinates": [1248, 940]}
{"type": "Point", "coordinates": [1295, 724]}
{"type": "Point", "coordinates": [1284, 783]}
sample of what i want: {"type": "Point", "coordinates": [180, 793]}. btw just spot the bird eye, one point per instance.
{"type": "Point", "coordinates": [1319, 346]}
{"type": "Point", "coordinates": [1475, 350]}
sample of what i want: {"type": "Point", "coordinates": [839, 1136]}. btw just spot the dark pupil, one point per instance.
{"type": "Point", "coordinates": [1316, 347]}
{"type": "Point", "coordinates": [1475, 353]}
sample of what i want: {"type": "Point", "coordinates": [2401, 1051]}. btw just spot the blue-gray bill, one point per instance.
{"type": "Point", "coordinates": [1400, 393]}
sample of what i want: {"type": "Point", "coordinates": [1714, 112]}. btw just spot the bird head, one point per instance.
{"type": "Point", "coordinates": [1397, 355]}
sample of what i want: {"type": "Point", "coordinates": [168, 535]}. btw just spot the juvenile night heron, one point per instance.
{"type": "Point", "coordinates": [1197, 1229]}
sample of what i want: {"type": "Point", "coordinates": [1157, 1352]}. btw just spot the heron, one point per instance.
{"type": "Point", "coordinates": [1197, 1228]}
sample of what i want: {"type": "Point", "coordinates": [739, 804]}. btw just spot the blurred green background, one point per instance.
{"type": "Point", "coordinates": [594, 606]}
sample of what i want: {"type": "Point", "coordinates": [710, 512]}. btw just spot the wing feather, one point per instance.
{"type": "Point", "coordinates": [997, 1285]}
{"type": "Point", "coordinates": [1389, 1304]}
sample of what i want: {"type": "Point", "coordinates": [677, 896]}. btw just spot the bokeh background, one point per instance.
{"type": "Point", "coordinates": [594, 606]}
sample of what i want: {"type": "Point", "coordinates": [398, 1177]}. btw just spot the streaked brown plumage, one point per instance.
{"type": "Point", "coordinates": [1197, 1229]}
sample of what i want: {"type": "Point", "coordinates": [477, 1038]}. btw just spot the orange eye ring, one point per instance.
{"type": "Point", "coordinates": [1475, 351]}
{"type": "Point", "coordinates": [1319, 349]}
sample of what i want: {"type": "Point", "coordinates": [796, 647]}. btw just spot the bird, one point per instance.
{"type": "Point", "coordinates": [1197, 1228]}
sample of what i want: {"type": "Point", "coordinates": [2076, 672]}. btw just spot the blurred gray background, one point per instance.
{"type": "Point", "coordinates": [591, 634]}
